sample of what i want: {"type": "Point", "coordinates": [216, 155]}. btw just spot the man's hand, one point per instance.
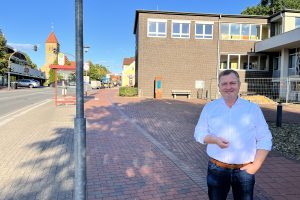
{"type": "Point", "coordinates": [251, 168]}
{"type": "Point", "coordinates": [212, 139]}
{"type": "Point", "coordinates": [221, 142]}
{"type": "Point", "coordinates": [260, 157]}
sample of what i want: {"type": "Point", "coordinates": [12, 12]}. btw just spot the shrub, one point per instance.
{"type": "Point", "coordinates": [128, 91]}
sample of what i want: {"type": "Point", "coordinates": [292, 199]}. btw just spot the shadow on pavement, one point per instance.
{"type": "Point", "coordinates": [51, 173]}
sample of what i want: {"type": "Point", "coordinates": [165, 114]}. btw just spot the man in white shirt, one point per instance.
{"type": "Point", "coordinates": [238, 140]}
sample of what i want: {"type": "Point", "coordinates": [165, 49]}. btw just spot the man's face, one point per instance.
{"type": "Point", "coordinates": [229, 87]}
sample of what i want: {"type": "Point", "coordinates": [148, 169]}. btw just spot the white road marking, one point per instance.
{"type": "Point", "coordinates": [7, 118]}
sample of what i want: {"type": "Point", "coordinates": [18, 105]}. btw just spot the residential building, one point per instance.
{"type": "Point", "coordinates": [128, 72]}
{"type": "Point", "coordinates": [188, 50]}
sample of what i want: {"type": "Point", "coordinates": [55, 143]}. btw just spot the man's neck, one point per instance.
{"type": "Point", "coordinates": [230, 102]}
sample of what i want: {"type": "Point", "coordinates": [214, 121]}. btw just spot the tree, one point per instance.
{"type": "Point", "coordinates": [97, 72]}
{"type": "Point", "coordinates": [3, 54]}
{"type": "Point", "coordinates": [269, 7]}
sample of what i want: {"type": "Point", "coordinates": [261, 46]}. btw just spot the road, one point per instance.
{"type": "Point", "coordinates": [16, 100]}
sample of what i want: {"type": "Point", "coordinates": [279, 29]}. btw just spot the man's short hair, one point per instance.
{"type": "Point", "coordinates": [227, 72]}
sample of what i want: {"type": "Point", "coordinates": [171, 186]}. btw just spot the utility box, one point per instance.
{"type": "Point", "coordinates": [158, 88]}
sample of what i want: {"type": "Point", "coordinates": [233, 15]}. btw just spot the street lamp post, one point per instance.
{"type": "Point", "coordinates": [8, 73]}
{"type": "Point", "coordinates": [79, 121]}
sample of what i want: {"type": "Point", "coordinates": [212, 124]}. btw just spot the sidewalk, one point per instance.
{"type": "Point", "coordinates": [36, 154]}
{"type": "Point", "coordinates": [144, 149]}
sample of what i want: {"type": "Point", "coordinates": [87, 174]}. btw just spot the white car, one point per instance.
{"type": "Point", "coordinates": [28, 83]}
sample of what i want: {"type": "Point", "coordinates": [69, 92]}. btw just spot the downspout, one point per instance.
{"type": "Point", "coordinates": [218, 53]}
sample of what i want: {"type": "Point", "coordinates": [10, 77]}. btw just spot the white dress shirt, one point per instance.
{"type": "Point", "coordinates": [243, 125]}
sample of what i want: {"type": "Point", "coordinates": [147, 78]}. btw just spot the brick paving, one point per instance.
{"type": "Point", "coordinates": [144, 149]}
{"type": "Point", "coordinates": [136, 149]}
{"type": "Point", "coordinates": [36, 155]}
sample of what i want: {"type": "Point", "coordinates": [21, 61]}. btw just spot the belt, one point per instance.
{"type": "Point", "coordinates": [228, 166]}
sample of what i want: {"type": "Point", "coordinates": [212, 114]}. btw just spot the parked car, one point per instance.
{"type": "Point", "coordinates": [28, 83]}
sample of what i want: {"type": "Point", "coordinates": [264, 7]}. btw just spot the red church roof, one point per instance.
{"type": "Point", "coordinates": [51, 38]}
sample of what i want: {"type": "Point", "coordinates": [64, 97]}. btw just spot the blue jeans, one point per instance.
{"type": "Point", "coordinates": [220, 179]}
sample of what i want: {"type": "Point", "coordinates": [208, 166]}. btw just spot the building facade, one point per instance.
{"type": "Point", "coordinates": [128, 72]}
{"type": "Point", "coordinates": [188, 50]}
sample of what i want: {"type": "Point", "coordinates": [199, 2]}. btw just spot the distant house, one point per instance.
{"type": "Point", "coordinates": [188, 50]}
{"type": "Point", "coordinates": [128, 72]}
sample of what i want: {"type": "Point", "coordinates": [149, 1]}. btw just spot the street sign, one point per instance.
{"type": "Point", "coordinates": [61, 58]}
{"type": "Point", "coordinates": [86, 66]}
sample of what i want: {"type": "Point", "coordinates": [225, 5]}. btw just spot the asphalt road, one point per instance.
{"type": "Point", "coordinates": [16, 100]}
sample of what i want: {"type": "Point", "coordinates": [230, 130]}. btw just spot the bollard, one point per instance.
{"type": "Point", "coordinates": [279, 115]}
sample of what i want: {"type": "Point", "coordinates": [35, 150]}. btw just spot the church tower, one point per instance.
{"type": "Point", "coordinates": [51, 50]}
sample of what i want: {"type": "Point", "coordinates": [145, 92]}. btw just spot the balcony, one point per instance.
{"type": "Point", "coordinates": [288, 39]}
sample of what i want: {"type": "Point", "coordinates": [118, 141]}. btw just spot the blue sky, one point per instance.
{"type": "Point", "coordinates": [108, 25]}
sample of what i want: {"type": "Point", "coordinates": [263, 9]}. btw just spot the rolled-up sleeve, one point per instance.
{"type": "Point", "coordinates": [263, 133]}
{"type": "Point", "coordinates": [201, 129]}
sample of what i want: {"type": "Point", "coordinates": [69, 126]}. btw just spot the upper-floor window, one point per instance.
{"type": "Point", "coordinates": [235, 31]}
{"type": "Point", "coordinates": [157, 28]}
{"type": "Point", "coordinates": [204, 30]}
{"type": "Point", "coordinates": [297, 22]}
{"type": "Point", "coordinates": [181, 29]}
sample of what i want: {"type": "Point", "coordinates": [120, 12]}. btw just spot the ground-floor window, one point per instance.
{"type": "Point", "coordinates": [244, 62]}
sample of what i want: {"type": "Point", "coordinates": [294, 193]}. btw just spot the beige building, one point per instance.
{"type": "Point", "coordinates": [128, 72]}
{"type": "Point", "coordinates": [188, 50]}
{"type": "Point", "coordinates": [51, 50]}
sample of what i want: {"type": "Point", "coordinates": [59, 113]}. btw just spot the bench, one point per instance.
{"type": "Point", "coordinates": [181, 92]}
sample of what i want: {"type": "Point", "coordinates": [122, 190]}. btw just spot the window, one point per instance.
{"type": "Point", "coordinates": [297, 22]}
{"type": "Point", "coordinates": [234, 62]}
{"type": "Point", "coordinates": [276, 61]}
{"type": "Point", "coordinates": [223, 61]}
{"type": "Point", "coordinates": [203, 30]}
{"type": "Point", "coordinates": [253, 63]}
{"type": "Point", "coordinates": [292, 58]}
{"type": "Point", "coordinates": [244, 62]}
{"type": "Point", "coordinates": [157, 28]}
{"type": "Point", "coordinates": [234, 31]}
{"type": "Point", "coordinates": [255, 32]}
{"type": "Point", "coordinates": [224, 31]}
{"type": "Point", "coordinates": [181, 29]}
{"type": "Point", "coordinates": [245, 31]}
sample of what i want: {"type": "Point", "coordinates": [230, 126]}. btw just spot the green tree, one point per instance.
{"type": "Point", "coordinates": [269, 7]}
{"type": "Point", "coordinates": [97, 71]}
{"type": "Point", "coordinates": [3, 54]}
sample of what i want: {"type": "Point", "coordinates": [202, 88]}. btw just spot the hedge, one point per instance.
{"type": "Point", "coordinates": [128, 91]}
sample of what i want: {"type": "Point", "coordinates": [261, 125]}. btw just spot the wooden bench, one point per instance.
{"type": "Point", "coordinates": [181, 92]}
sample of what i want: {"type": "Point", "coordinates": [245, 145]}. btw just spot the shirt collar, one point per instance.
{"type": "Point", "coordinates": [237, 102]}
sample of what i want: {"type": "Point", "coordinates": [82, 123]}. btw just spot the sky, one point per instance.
{"type": "Point", "coordinates": [107, 25]}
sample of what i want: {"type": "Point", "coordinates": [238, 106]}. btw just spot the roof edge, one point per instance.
{"type": "Point", "coordinates": [193, 14]}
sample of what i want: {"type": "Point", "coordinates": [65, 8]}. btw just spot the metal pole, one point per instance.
{"type": "Point", "coordinates": [80, 121]}
{"type": "Point", "coordinates": [8, 73]}
{"type": "Point", "coordinates": [279, 115]}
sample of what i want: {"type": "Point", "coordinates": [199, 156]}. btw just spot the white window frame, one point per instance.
{"type": "Point", "coordinates": [239, 62]}
{"type": "Point", "coordinates": [156, 33]}
{"type": "Point", "coordinates": [202, 36]}
{"type": "Point", "coordinates": [180, 34]}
